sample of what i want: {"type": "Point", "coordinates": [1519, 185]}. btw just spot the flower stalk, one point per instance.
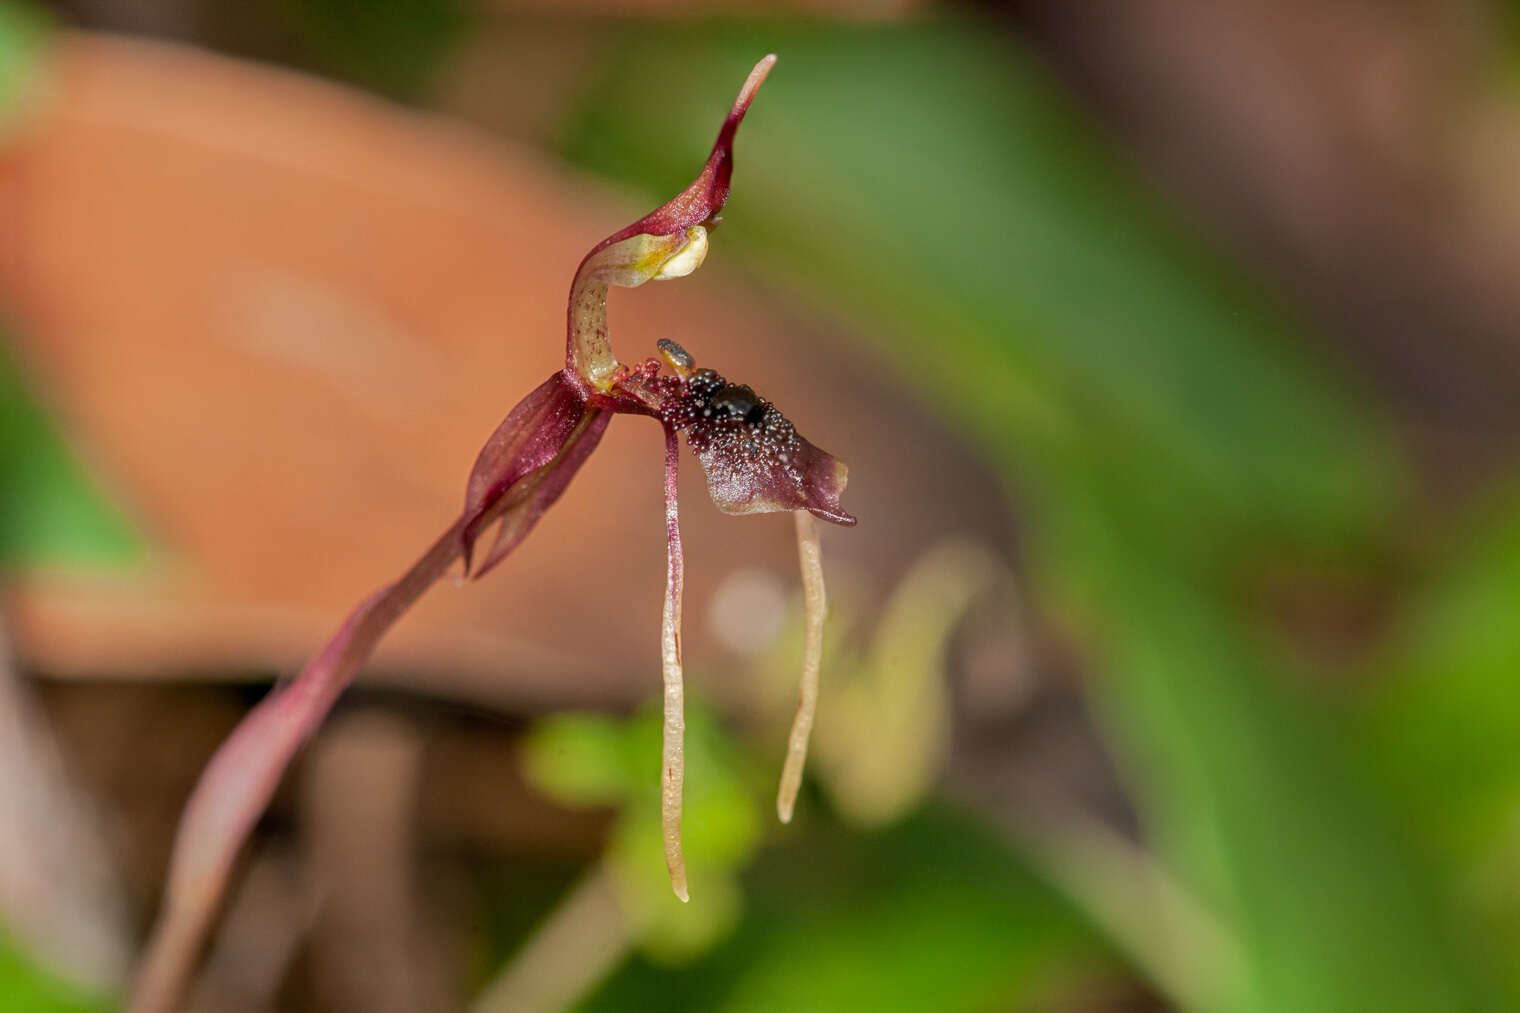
{"type": "Point", "coordinates": [236, 786]}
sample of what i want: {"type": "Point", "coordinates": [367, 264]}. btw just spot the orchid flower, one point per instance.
{"type": "Point", "coordinates": [755, 462]}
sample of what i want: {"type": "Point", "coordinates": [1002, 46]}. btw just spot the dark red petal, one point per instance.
{"type": "Point", "coordinates": [823, 480]}
{"type": "Point", "coordinates": [527, 463]}
{"type": "Point", "coordinates": [521, 513]}
{"type": "Point", "coordinates": [811, 480]}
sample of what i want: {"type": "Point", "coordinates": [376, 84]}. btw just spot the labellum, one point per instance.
{"type": "Point", "coordinates": [755, 462]}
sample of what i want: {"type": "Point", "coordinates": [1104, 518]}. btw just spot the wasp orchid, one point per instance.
{"type": "Point", "coordinates": [754, 459]}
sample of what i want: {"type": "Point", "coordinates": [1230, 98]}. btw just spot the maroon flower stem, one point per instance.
{"type": "Point", "coordinates": [243, 774]}
{"type": "Point", "coordinates": [673, 750]}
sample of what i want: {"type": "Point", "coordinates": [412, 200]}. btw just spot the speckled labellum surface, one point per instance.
{"type": "Point", "coordinates": [754, 458]}
{"type": "Point", "coordinates": [755, 462]}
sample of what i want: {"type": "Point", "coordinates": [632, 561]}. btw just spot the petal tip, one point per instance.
{"type": "Point", "coordinates": [823, 484]}
{"type": "Point", "coordinates": [839, 517]}
{"type": "Point", "coordinates": [752, 83]}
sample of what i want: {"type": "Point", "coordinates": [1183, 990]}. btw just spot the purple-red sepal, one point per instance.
{"type": "Point", "coordinates": [526, 464]}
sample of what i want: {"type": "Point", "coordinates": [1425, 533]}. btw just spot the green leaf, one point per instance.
{"type": "Point", "coordinates": [28, 988]}
{"type": "Point", "coordinates": [394, 46]}
{"type": "Point", "coordinates": [720, 830]}
{"type": "Point", "coordinates": [586, 759]}
{"type": "Point", "coordinates": [50, 510]}
{"type": "Point", "coordinates": [1444, 722]}
{"type": "Point", "coordinates": [1252, 796]}
{"type": "Point", "coordinates": [932, 915]}
{"type": "Point", "coordinates": [580, 759]}
{"type": "Point", "coordinates": [23, 30]}
{"type": "Point", "coordinates": [1442, 727]}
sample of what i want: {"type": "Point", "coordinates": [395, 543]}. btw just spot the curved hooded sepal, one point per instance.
{"type": "Point", "coordinates": [526, 465]}
{"type": "Point", "coordinates": [707, 194]}
{"type": "Point", "coordinates": [669, 242]}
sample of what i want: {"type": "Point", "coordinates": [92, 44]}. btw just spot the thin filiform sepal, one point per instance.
{"type": "Point", "coordinates": [815, 610]}
{"type": "Point", "coordinates": [673, 748]}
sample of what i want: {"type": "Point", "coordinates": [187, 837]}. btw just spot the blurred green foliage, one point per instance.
{"type": "Point", "coordinates": [592, 760]}
{"type": "Point", "coordinates": [1444, 721]}
{"type": "Point", "coordinates": [1442, 726]}
{"type": "Point", "coordinates": [50, 510]}
{"type": "Point", "coordinates": [880, 745]}
{"type": "Point", "coordinates": [27, 988]}
{"type": "Point", "coordinates": [22, 30]}
{"type": "Point", "coordinates": [933, 914]}
{"type": "Point", "coordinates": [392, 46]}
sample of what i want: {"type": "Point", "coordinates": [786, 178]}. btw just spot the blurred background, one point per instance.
{"type": "Point", "coordinates": [1174, 346]}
